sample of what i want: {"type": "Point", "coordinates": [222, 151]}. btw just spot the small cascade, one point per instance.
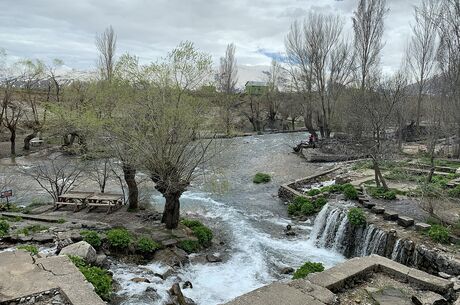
{"type": "Point", "coordinates": [331, 230]}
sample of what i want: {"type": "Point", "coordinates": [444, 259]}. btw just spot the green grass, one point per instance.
{"type": "Point", "coordinates": [29, 248]}
{"type": "Point", "coordinates": [306, 269]}
{"type": "Point", "coordinates": [350, 192]}
{"type": "Point", "coordinates": [356, 217]}
{"type": "Point", "coordinates": [189, 246]}
{"type": "Point", "coordinates": [119, 238]}
{"type": "Point", "coordinates": [92, 238]}
{"type": "Point", "coordinates": [261, 178]}
{"type": "Point", "coordinates": [439, 234]}
{"type": "Point", "coordinates": [381, 193]}
{"type": "Point", "coordinates": [200, 231]}
{"type": "Point", "coordinates": [31, 229]}
{"type": "Point", "coordinates": [147, 245]}
{"type": "Point", "coordinates": [304, 206]}
{"type": "Point", "coordinates": [99, 278]}
{"type": "Point", "coordinates": [4, 227]}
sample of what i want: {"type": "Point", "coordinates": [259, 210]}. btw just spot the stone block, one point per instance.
{"type": "Point", "coordinates": [81, 249]}
{"type": "Point", "coordinates": [369, 204]}
{"type": "Point", "coordinates": [390, 215]}
{"type": "Point", "coordinates": [405, 221]}
{"type": "Point", "coordinates": [378, 210]}
{"type": "Point", "coordinates": [421, 226]}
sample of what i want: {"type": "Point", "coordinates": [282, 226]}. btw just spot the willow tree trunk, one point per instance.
{"type": "Point", "coordinates": [129, 173]}
{"type": "Point", "coordinates": [171, 211]}
{"type": "Point", "coordinates": [27, 140]}
{"type": "Point", "coordinates": [13, 141]}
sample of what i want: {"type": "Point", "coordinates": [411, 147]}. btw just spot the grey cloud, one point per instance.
{"type": "Point", "coordinates": [66, 29]}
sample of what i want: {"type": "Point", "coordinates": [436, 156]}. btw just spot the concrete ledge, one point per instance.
{"type": "Point", "coordinates": [21, 275]}
{"type": "Point", "coordinates": [405, 221]}
{"type": "Point", "coordinates": [336, 277]}
{"type": "Point", "coordinates": [390, 215]}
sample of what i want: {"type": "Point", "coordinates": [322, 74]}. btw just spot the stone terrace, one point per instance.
{"type": "Point", "coordinates": [22, 276]}
{"type": "Point", "coordinates": [322, 288]}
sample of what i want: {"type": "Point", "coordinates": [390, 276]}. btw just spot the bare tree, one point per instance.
{"type": "Point", "coordinates": [301, 72]}
{"type": "Point", "coordinates": [275, 80]}
{"type": "Point", "coordinates": [12, 112]}
{"type": "Point", "coordinates": [421, 52]}
{"type": "Point", "coordinates": [106, 44]}
{"type": "Point", "coordinates": [368, 32]}
{"type": "Point", "coordinates": [56, 175]}
{"type": "Point", "coordinates": [448, 58]}
{"type": "Point", "coordinates": [227, 78]}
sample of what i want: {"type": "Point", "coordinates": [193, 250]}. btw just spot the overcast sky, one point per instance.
{"type": "Point", "coordinates": [64, 29]}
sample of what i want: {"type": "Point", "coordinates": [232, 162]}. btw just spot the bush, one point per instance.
{"type": "Point", "coordinates": [356, 217]}
{"type": "Point", "coordinates": [320, 202]}
{"type": "Point", "coordinates": [294, 209]}
{"type": "Point", "coordinates": [380, 192]}
{"type": "Point", "coordinates": [306, 269]}
{"type": "Point", "coordinates": [204, 235]}
{"type": "Point", "coordinates": [261, 178]}
{"type": "Point", "coordinates": [119, 238]}
{"type": "Point", "coordinates": [99, 278]}
{"type": "Point", "coordinates": [92, 238]}
{"type": "Point", "coordinates": [439, 234]}
{"type": "Point", "coordinates": [307, 208]}
{"type": "Point", "coordinates": [4, 227]}
{"type": "Point", "coordinates": [334, 188]}
{"type": "Point", "coordinates": [191, 223]}
{"type": "Point", "coordinates": [32, 229]}
{"type": "Point", "coordinates": [147, 245]}
{"type": "Point", "coordinates": [455, 192]}
{"type": "Point", "coordinates": [29, 248]}
{"type": "Point", "coordinates": [313, 192]}
{"type": "Point", "coordinates": [350, 192]}
{"type": "Point", "coordinates": [189, 246]}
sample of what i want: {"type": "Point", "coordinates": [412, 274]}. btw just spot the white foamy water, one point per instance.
{"type": "Point", "coordinates": [253, 261]}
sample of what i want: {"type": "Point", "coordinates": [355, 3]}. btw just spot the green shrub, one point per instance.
{"type": "Point", "coordinates": [294, 209]}
{"type": "Point", "coordinates": [189, 246]}
{"type": "Point", "coordinates": [380, 192]}
{"type": "Point", "coordinates": [119, 238]}
{"type": "Point", "coordinates": [261, 178]}
{"type": "Point", "coordinates": [61, 220]}
{"type": "Point", "coordinates": [29, 248]}
{"type": "Point", "coordinates": [4, 227]}
{"type": "Point", "coordinates": [320, 202]}
{"type": "Point", "coordinates": [32, 229]}
{"type": "Point", "coordinates": [204, 235]}
{"type": "Point", "coordinates": [191, 223]}
{"type": "Point", "coordinates": [307, 208]}
{"type": "Point", "coordinates": [356, 217]}
{"type": "Point", "coordinates": [92, 238]}
{"type": "Point", "coordinates": [147, 245]}
{"type": "Point", "coordinates": [439, 234]}
{"type": "Point", "coordinates": [99, 278]}
{"type": "Point", "coordinates": [313, 192]}
{"type": "Point", "coordinates": [350, 192]}
{"type": "Point", "coordinates": [455, 192]}
{"type": "Point", "coordinates": [306, 269]}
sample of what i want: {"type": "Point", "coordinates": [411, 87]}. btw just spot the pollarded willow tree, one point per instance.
{"type": "Point", "coordinates": [168, 121]}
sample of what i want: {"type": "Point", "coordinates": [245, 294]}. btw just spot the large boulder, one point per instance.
{"type": "Point", "coordinates": [81, 249]}
{"type": "Point", "coordinates": [171, 256]}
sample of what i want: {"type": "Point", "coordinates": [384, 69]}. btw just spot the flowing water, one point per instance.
{"type": "Point", "coordinates": [250, 216]}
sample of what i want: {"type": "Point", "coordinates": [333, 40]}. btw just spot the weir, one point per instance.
{"type": "Point", "coordinates": [332, 230]}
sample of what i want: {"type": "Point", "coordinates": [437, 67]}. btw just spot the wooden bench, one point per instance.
{"type": "Point", "coordinates": [105, 200]}
{"type": "Point", "coordinates": [76, 199]}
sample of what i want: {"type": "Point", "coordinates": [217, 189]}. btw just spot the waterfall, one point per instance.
{"type": "Point", "coordinates": [331, 230]}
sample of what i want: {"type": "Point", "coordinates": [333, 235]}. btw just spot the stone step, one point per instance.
{"type": "Point", "coordinates": [405, 221]}
{"type": "Point", "coordinates": [390, 215]}
{"type": "Point", "coordinates": [421, 226]}
{"type": "Point", "coordinates": [368, 204]}
{"type": "Point", "coordinates": [378, 210]}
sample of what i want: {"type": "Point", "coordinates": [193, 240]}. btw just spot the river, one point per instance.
{"type": "Point", "coordinates": [251, 217]}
